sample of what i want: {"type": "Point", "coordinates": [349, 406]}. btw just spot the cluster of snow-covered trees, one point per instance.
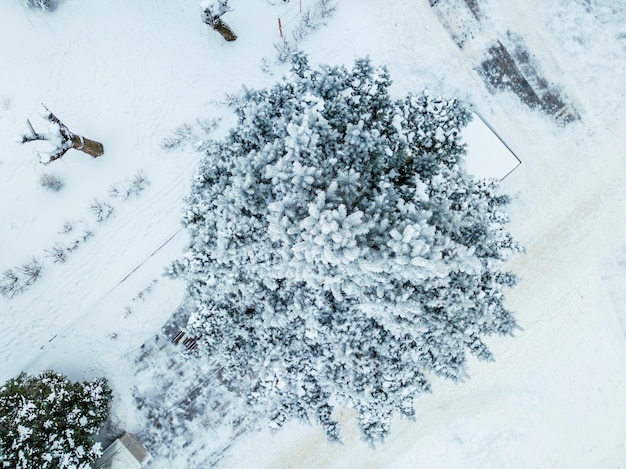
{"type": "Point", "coordinates": [48, 421]}
{"type": "Point", "coordinates": [340, 253]}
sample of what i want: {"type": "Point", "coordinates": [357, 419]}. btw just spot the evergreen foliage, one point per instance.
{"type": "Point", "coordinates": [48, 422]}
{"type": "Point", "coordinates": [340, 253]}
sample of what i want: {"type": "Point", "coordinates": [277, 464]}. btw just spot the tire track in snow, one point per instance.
{"type": "Point", "coordinates": [76, 277]}
{"type": "Point", "coordinates": [55, 332]}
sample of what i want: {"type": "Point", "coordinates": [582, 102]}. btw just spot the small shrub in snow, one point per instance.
{"type": "Point", "coordinates": [100, 210]}
{"type": "Point", "coordinates": [265, 65]}
{"type": "Point", "coordinates": [284, 50]}
{"type": "Point", "coordinates": [114, 191]}
{"type": "Point", "coordinates": [169, 143]}
{"type": "Point", "coordinates": [308, 22]}
{"type": "Point", "coordinates": [30, 272]}
{"type": "Point", "coordinates": [182, 134]}
{"type": "Point", "coordinates": [314, 17]}
{"type": "Point", "coordinates": [142, 294]}
{"type": "Point", "coordinates": [73, 246]}
{"type": "Point", "coordinates": [9, 283]}
{"type": "Point", "coordinates": [86, 234]}
{"type": "Point", "coordinates": [51, 182]}
{"type": "Point", "coordinates": [188, 133]}
{"type": "Point", "coordinates": [15, 281]}
{"type": "Point", "coordinates": [232, 99]}
{"type": "Point", "coordinates": [136, 185]}
{"type": "Point", "coordinates": [132, 186]}
{"type": "Point", "coordinates": [5, 103]}
{"type": "Point", "coordinates": [326, 7]}
{"type": "Point", "coordinates": [207, 125]}
{"type": "Point", "coordinates": [47, 421]}
{"type": "Point", "coordinates": [46, 5]}
{"type": "Point", "coordinates": [57, 253]}
{"type": "Point", "coordinates": [66, 228]}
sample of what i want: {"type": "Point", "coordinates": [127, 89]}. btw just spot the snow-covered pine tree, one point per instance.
{"type": "Point", "coordinates": [48, 421]}
{"type": "Point", "coordinates": [339, 252]}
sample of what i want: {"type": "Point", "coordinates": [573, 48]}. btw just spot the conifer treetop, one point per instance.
{"type": "Point", "coordinates": [339, 252]}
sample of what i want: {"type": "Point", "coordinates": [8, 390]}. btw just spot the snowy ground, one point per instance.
{"type": "Point", "coordinates": [127, 73]}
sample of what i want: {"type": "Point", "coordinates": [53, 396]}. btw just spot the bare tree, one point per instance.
{"type": "Point", "coordinates": [10, 283]}
{"type": "Point", "coordinates": [62, 138]}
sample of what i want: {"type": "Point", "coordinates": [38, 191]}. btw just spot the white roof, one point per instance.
{"type": "Point", "coordinates": [487, 155]}
{"type": "Point", "coordinates": [124, 453]}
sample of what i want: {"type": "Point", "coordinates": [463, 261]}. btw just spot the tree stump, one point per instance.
{"type": "Point", "coordinates": [64, 138]}
{"type": "Point", "coordinates": [91, 147]}
{"type": "Point", "coordinates": [224, 30]}
{"type": "Point", "coordinates": [212, 13]}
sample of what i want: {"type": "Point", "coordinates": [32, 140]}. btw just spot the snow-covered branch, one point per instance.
{"type": "Point", "coordinates": [61, 138]}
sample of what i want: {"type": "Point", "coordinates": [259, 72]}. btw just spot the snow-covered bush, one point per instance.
{"type": "Point", "coordinates": [46, 5]}
{"type": "Point", "coordinates": [86, 234]}
{"type": "Point", "coordinates": [189, 132]}
{"type": "Point", "coordinates": [339, 252]}
{"type": "Point", "coordinates": [100, 210]}
{"type": "Point", "coordinates": [17, 280]}
{"type": "Point", "coordinates": [10, 284]}
{"type": "Point", "coordinates": [136, 185]}
{"type": "Point", "coordinates": [30, 272]}
{"type": "Point", "coordinates": [311, 19]}
{"type": "Point", "coordinates": [67, 227]}
{"type": "Point", "coordinates": [47, 421]}
{"type": "Point", "coordinates": [51, 182]}
{"type": "Point", "coordinates": [131, 187]}
{"type": "Point", "coordinates": [284, 50]}
{"type": "Point", "coordinates": [314, 17]}
{"type": "Point", "coordinates": [180, 135]}
{"type": "Point", "coordinates": [58, 253]}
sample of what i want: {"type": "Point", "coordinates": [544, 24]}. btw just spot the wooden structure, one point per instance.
{"type": "Point", "coordinates": [126, 452]}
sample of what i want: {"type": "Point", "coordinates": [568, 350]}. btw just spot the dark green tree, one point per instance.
{"type": "Point", "coordinates": [49, 422]}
